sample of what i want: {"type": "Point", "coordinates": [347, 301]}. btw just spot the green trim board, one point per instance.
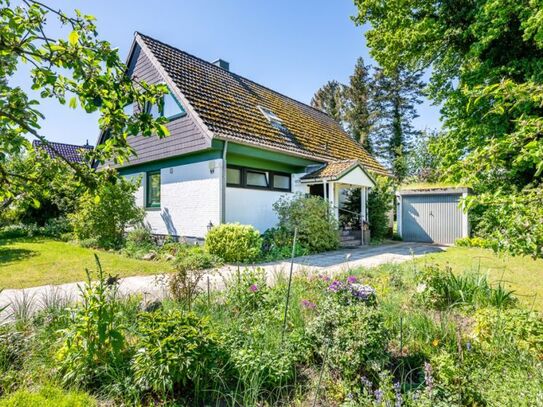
{"type": "Point", "coordinates": [267, 155]}
{"type": "Point", "coordinates": [203, 155]}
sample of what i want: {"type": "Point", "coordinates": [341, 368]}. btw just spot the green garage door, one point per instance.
{"type": "Point", "coordinates": [433, 218]}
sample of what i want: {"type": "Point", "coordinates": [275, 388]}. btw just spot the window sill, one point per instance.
{"type": "Point", "coordinates": [152, 208]}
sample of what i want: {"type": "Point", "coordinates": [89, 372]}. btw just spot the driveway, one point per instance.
{"type": "Point", "coordinates": [31, 299]}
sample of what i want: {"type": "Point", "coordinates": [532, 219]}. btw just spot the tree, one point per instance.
{"type": "Point", "coordinates": [485, 61]}
{"type": "Point", "coordinates": [393, 104]}
{"type": "Point", "coordinates": [422, 161]}
{"type": "Point", "coordinates": [331, 100]}
{"type": "Point", "coordinates": [357, 113]}
{"type": "Point", "coordinates": [81, 70]}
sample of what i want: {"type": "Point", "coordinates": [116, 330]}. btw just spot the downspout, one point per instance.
{"type": "Point", "coordinates": [223, 183]}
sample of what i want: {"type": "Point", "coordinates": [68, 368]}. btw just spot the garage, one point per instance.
{"type": "Point", "coordinates": [432, 215]}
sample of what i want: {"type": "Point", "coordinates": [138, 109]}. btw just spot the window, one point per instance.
{"type": "Point", "coordinates": [281, 181]}
{"type": "Point", "coordinates": [153, 190]}
{"type": "Point", "coordinates": [275, 121]}
{"type": "Point", "coordinates": [257, 179]}
{"type": "Point", "coordinates": [167, 107]}
{"type": "Point", "coordinates": [242, 177]}
{"type": "Point", "coordinates": [233, 176]}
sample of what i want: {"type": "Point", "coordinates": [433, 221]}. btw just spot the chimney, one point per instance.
{"type": "Point", "coordinates": [221, 63]}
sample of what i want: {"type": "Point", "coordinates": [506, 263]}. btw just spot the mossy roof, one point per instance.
{"type": "Point", "coordinates": [229, 104]}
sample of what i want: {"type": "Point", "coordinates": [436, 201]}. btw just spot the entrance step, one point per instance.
{"type": "Point", "coordinates": [351, 243]}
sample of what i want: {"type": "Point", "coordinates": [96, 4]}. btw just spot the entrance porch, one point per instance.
{"type": "Point", "coordinates": [334, 182]}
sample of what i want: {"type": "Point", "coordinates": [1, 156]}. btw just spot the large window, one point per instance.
{"type": "Point", "coordinates": [167, 107]}
{"type": "Point", "coordinates": [152, 196]}
{"type": "Point", "coordinates": [242, 177]}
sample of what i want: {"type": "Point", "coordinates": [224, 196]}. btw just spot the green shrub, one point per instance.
{"type": "Point", "coordinates": [380, 200]}
{"type": "Point", "coordinates": [139, 242]}
{"type": "Point", "coordinates": [473, 242]}
{"type": "Point", "coordinates": [94, 345]}
{"type": "Point", "coordinates": [47, 397]}
{"type": "Point", "coordinates": [247, 292]}
{"type": "Point", "coordinates": [523, 326]}
{"type": "Point", "coordinates": [442, 289]}
{"type": "Point", "coordinates": [312, 215]}
{"type": "Point", "coordinates": [277, 244]}
{"type": "Point", "coordinates": [234, 243]}
{"type": "Point", "coordinates": [19, 230]}
{"type": "Point", "coordinates": [352, 336]}
{"type": "Point", "coordinates": [106, 214]}
{"type": "Point", "coordinates": [176, 351]}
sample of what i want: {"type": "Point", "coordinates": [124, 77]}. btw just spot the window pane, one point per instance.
{"type": "Point", "coordinates": [153, 110]}
{"type": "Point", "coordinates": [172, 107]}
{"type": "Point", "coordinates": [153, 189]}
{"type": "Point", "coordinates": [257, 179]}
{"type": "Point", "coordinates": [281, 181]}
{"type": "Point", "coordinates": [233, 176]}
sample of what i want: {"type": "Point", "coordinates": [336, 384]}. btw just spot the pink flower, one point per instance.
{"type": "Point", "coordinates": [253, 288]}
{"type": "Point", "coordinates": [308, 304]}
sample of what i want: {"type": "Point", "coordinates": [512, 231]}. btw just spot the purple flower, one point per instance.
{"type": "Point", "coordinates": [428, 379]}
{"type": "Point", "coordinates": [378, 395]}
{"type": "Point", "coordinates": [253, 288]}
{"type": "Point", "coordinates": [351, 279]}
{"type": "Point", "coordinates": [324, 277]}
{"type": "Point", "coordinates": [398, 394]}
{"type": "Point", "coordinates": [365, 382]}
{"type": "Point", "coordinates": [362, 292]}
{"type": "Point", "coordinates": [335, 286]}
{"type": "Point", "coordinates": [308, 304]}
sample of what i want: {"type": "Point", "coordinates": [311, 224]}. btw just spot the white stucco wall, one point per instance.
{"type": "Point", "coordinates": [190, 199]}
{"type": "Point", "coordinates": [255, 207]}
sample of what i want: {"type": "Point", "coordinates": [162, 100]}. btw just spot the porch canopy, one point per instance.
{"type": "Point", "coordinates": [334, 176]}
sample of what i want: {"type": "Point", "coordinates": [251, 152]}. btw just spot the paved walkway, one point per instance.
{"type": "Point", "coordinates": [31, 299]}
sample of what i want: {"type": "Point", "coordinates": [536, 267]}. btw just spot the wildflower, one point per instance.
{"type": "Point", "coordinates": [335, 286]}
{"type": "Point", "coordinates": [398, 394]}
{"type": "Point", "coordinates": [351, 279]}
{"type": "Point", "coordinates": [378, 395]}
{"type": "Point", "coordinates": [428, 379]}
{"type": "Point", "coordinates": [365, 382]}
{"type": "Point", "coordinates": [420, 288]}
{"type": "Point", "coordinates": [324, 277]}
{"type": "Point", "coordinates": [253, 288]}
{"type": "Point", "coordinates": [468, 346]}
{"type": "Point", "coordinates": [308, 304]}
{"type": "Point", "coordinates": [435, 343]}
{"type": "Point", "coordinates": [362, 292]}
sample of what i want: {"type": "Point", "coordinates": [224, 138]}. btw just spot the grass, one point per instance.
{"type": "Point", "coordinates": [28, 262]}
{"type": "Point", "coordinates": [521, 274]}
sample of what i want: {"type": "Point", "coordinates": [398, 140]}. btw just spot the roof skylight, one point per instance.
{"type": "Point", "coordinates": [272, 117]}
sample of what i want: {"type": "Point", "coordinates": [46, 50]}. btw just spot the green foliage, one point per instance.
{"type": "Point", "coordinates": [191, 265]}
{"type": "Point", "coordinates": [104, 216]}
{"type": "Point", "coordinates": [330, 99]}
{"type": "Point", "coordinates": [473, 242]}
{"type": "Point", "coordinates": [234, 243]}
{"type": "Point", "coordinates": [277, 244]}
{"type": "Point", "coordinates": [442, 289]}
{"type": "Point", "coordinates": [312, 216]}
{"type": "Point", "coordinates": [491, 94]}
{"type": "Point", "coordinates": [48, 396]}
{"type": "Point", "coordinates": [524, 327]}
{"type": "Point", "coordinates": [352, 336]}
{"type": "Point", "coordinates": [94, 343]}
{"type": "Point", "coordinates": [139, 242]}
{"type": "Point", "coordinates": [176, 352]}
{"type": "Point", "coordinates": [380, 202]}
{"type": "Point", "coordinates": [78, 65]}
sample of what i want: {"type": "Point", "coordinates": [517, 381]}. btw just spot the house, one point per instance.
{"type": "Point", "coordinates": [235, 147]}
{"type": "Point", "coordinates": [70, 152]}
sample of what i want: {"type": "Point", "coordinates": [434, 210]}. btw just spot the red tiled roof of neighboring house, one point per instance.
{"type": "Point", "coordinates": [70, 152]}
{"type": "Point", "coordinates": [230, 106]}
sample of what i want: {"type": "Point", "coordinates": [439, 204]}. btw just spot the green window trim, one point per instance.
{"type": "Point", "coordinates": [269, 179]}
{"type": "Point", "coordinates": [152, 192]}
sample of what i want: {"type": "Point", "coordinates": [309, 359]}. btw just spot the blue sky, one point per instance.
{"type": "Point", "coordinates": [293, 47]}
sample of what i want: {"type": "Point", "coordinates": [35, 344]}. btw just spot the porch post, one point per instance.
{"type": "Point", "coordinates": [363, 203]}
{"type": "Point", "coordinates": [333, 199]}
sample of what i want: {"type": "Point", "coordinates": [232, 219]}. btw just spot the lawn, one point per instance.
{"type": "Point", "coordinates": [27, 262]}
{"type": "Point", "coordinates": [521, 274]}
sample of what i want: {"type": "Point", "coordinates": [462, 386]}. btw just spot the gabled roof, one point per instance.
{"type": "Point", "coordinates": [231, 108]}
{"type": "Point", "coordinates": [332, 171]}
{"type": "Point", "coordinates": [70, 152]}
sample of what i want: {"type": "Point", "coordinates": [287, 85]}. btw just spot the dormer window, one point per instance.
{"type": "Point", "coordinates": [168, 106]}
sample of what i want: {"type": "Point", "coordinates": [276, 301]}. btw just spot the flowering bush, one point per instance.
{"type": "Point", "coordinates": [247, 291]}
{"type": "Point", "coordinates": [349, 292]}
